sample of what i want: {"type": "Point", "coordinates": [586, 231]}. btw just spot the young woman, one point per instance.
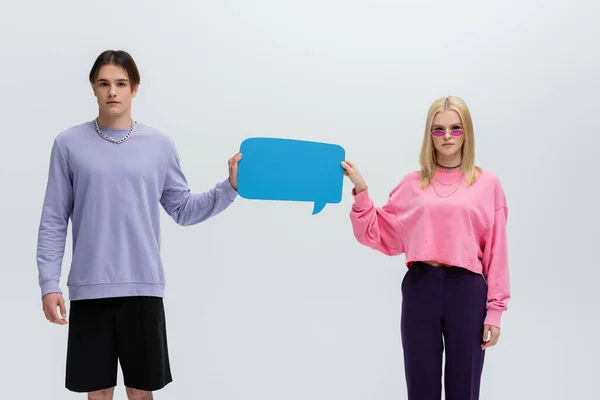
{"type": "Point", "coordinates": [111, 176]}
{"type": "Point", "coordinates": [449, 219]}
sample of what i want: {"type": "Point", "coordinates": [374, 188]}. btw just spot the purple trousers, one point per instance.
{"type": "Point", "coordinates": [443, 309]}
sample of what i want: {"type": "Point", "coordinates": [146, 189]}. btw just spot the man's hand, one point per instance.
{"type": "Point", "coordinates": [491, 334]}
{"type": "Point", "coordinates": [50, 303]}
{"type": "Point", "coordinates": [233, 169]}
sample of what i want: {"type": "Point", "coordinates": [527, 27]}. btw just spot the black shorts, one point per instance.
{"type": "Point", "coordinates": [126, 330]}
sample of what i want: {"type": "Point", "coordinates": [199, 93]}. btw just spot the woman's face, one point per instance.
{"type": "Point", "coordinates": [447, 133]}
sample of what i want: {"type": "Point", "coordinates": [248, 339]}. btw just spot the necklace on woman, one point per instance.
{"type": "Point", "coordinates": [115, 141]}
{"type": "Point", "coordinates": [447, 168]}
{"type": "Point", "coordinates": [448, 184]}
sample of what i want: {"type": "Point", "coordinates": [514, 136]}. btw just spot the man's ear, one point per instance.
{"type": "Point", "coordinates": [93, 89]}
{"type": "Point", "coordinates": [134, 90]}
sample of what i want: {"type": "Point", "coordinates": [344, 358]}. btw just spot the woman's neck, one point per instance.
{"type": "Point", "coordinates": [448, 161]}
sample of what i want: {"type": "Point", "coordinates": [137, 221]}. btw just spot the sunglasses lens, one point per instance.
{"type": "Point", "coordinates": [456, 132]}
{"type": "Point", "coordinates": [438, 133]}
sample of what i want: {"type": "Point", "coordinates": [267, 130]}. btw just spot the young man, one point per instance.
{"type": "Point", "coordinates": [111, 176]}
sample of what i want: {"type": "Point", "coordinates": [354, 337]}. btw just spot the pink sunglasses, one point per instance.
{"type": "Point", "coordinates": [455, 133]}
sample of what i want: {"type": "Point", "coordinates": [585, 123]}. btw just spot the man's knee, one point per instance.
{"type": "Point", "coordinates": [106, 394]}
{"type": "Point", "coordinates": [135, 394]}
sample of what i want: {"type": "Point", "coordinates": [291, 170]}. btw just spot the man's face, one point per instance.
{"type": "Point", "coordinates": [113, 90]}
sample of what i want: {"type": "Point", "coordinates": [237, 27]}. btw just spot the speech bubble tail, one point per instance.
{"type": "Point", "coordinates": [318, 207]}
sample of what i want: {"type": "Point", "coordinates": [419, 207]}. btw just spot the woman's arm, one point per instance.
{"type": "Point", "coordinates": [376, 227]}
{"type": "Point", "coordinates": [495, 261]}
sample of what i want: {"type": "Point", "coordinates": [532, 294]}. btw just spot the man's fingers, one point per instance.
{"type": "Point", "coordinates": [54, 314]}
{"type": "Point", "coordinates": [47, 313]}
{"type": "Point", "coordinates": [237, 157]}
{"type": "Point", "coordinates": [63, 309]}
{"type": "Point", "coordinates": [234, 160]}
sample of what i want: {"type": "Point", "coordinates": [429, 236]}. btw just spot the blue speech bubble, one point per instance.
{"type": "Point", "coordinates": [291, 170]}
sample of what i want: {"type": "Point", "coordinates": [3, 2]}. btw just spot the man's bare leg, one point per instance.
{"type": "Point", "coordinates": [105, 394]}
{"type": "Point", "coordinates": [135, 394]}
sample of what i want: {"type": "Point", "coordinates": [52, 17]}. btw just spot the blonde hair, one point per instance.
{"type": "Point", "coordinates": [427, 158]}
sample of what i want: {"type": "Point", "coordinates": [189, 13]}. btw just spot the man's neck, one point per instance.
{"type": "Point", "coordinates": [115, 122]}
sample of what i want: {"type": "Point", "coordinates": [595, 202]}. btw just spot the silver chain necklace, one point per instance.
{"type": "Point", "coordinates": [449, 184]}
{"type": "Point", "coordinates": [115, 141]}
{"type": "Point", "coordinates": [444, 197]}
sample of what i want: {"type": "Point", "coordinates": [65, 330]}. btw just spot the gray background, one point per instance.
{"type": "Point", "coordinates": [266, 301]}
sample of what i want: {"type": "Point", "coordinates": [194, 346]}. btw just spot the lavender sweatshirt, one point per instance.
{"type": "Point", "coordinates": [112, 193]}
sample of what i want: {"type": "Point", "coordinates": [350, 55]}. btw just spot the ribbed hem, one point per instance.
{"type": "Point", "coordinates": [227, 189]}
{"type": "Point", "coordinates": [493, 318]}
{"type": "Point", "coordinates": [361, 200]}
{"type": "Point", "coordinates": [50, 287]}
{"type": "Point", "coordinates": [105, 290]}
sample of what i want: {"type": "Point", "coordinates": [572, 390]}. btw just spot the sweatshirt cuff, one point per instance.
{"type": "Point", "coordinates": [227, 189]}
{"type": "Point", "coordinates": [361, 200]}
{"type": "Point", "coordinates": [50, 287]}
{"type": "Point", "coordinates": [493, 318]}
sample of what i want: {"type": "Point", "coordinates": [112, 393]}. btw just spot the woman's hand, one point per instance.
{"type": "Point", "coordinates": [491, 334]}
{"type": "Point", "coordinates": [356, 178]}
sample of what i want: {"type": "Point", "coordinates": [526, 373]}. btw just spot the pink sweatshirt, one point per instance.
{"type": "Point", "coordinates": [464, 228]}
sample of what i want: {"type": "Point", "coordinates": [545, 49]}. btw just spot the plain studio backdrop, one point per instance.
{"type": "Point", "coordinates": [266, 301]}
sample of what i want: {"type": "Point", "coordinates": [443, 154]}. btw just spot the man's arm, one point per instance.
{"type": "Point", "coordinates": [187, 208]}
{"type": "Point", "coordinates": [56, 211]}
{"type": "Point", "coordinates": [52, 234]}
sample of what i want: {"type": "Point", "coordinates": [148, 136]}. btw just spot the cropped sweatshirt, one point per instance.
{"type": "Point", "coordinates": [449, 222]}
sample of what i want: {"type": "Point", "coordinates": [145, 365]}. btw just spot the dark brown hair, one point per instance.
{"type": "Point", "coordinates": [119, 58]}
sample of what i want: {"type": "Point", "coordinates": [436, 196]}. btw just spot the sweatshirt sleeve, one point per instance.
{"type": "Point", "coordinates": [376, 227]}
{"type": "Point", "coordinates": [495, 261]}
{"type": "Point", "coordinates": [187, 208]}
{"type": "Point", "coordinates": [56, 211]}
